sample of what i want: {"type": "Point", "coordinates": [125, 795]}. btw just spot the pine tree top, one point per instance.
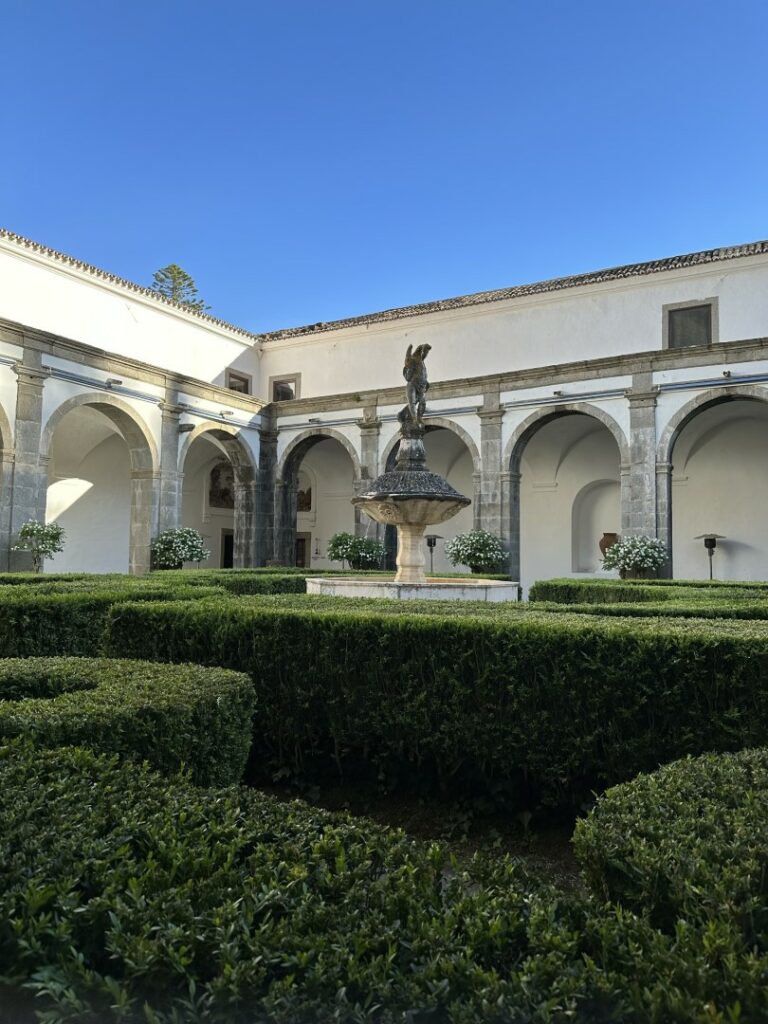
{"type": "Point", "coordinates": [176, 284]}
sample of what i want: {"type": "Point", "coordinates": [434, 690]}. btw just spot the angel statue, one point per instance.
{"type": "Point", "coordinates": [415, 373]}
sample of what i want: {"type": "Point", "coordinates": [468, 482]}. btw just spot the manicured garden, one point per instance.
{"type": "Point", "coordinates": [132, 892]}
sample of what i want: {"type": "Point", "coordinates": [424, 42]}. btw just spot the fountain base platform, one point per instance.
{"type": "Point", "coordinates": [433, 588]}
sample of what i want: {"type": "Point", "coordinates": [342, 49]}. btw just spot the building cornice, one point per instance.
{"type": "Point", "coordinates": [117, 365]}
{"type": "Point", "coordinates": [561, 373]}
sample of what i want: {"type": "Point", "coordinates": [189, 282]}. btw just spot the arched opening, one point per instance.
{"type": "Point", "coordinates": [218, 495]}
{"type": "Point", "coordinates": [719, 462]}
{"type": "Point", "coordinates": [101, 476]}
{"type": "Point", "coordinates": [449, 456]}
{"type": "Point", "coordinates": [316, 481]}
{"type": "Point", "coordinates": [567, 466]}
{"type": "Point", "coordinates": [595, 505]}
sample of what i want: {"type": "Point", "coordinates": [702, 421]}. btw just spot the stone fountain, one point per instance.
{"type": "Point", "coordinates": [411, 498]}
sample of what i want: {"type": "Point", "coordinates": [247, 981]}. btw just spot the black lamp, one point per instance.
{"type": "Point", "coordinates": [710, 543]}
{"type": "Point", "coordinates": [432, 539]}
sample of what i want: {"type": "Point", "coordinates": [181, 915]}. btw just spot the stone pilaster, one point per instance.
{"type": "Point", "coordinates": [664, 510]}
{"type": "Point", "coordinates": [169, 509]}
{"type": "Point", "coordinates": [370, 430]}
{"type": "Point", "coordinates": [266, 494]}
{"type": "Point", "coordinates": [6, 487]}
{"type": "Point", "coordinates": [488, 515]}
{"type": "Point", "coordinates": [510, 483]}
{"type": "Point", "coordinates": [638, 479]}
{"type": "Point", "coordinates": [245, 542]}
{"type": "Point", "coordinates": [30, 473]}
{"type": "Point", "coordinates": [145, 491]}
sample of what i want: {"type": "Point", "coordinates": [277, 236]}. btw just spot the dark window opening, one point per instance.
{"type": "Point", "coordinates": [238, 382]}
{"type": "Point", "coordinates": [690, 325]}
{"type": "Point", "coordinates": [283, 390]}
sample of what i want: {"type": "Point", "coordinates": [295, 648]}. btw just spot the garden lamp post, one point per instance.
{"type": "Point", "coordinates": [432, 539]}
{"type": "Point", "coordinates": [710, 543]}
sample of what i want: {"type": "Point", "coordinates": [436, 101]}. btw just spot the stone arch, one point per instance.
{"type": "Point", "coordinates": [714, 396]}
{"type": "Point", "coordinates": [230, 440]}
{"type": "Point", "coordinates": [666, 447]}
{"type": "Point", "coordinates": [436, 423]}
{"type": "Point", "coordinates": [135, 432]}
{"type": "Point", "coordinates": [512, 458]}
{"type": "Point", "coordinates": [144, 463]}
{"type": "Point", "coordinates": [522, 434]}
{"type": "Point", "coordinates": [286, 481]}
{"type": "Point", "coordinates": [298, 447]}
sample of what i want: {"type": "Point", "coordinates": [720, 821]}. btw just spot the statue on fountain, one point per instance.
{"type": "Point", "coordinates": [417, 385]}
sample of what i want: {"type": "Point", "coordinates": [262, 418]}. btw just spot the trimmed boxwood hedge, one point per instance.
{"type": "Point", "coordinates": [126, 896]}
{"type": "Point", "coordinates": [168, 715]}
{"type": "Point", "coordinates": [613, 591]}
{"type": "Point", "coordinates": [688, 841]}
{"type": "Point", "coordinates": [530, 707]}
{"type": "Point", "coordinates": [72, 617]}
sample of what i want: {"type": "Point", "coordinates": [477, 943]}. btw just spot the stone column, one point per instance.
{"type": "Point", "coordinates": [638, 479]}
{"type": "Point", "coordinates": [30, 473]}
{"type": "Point", "coordinates": [145, 492]}
{"type": "Point", "coordinates": [370, 430]}
{"type": "Point", "coordinates": [264, 546]}
{"type": "Point", "coordinates": [489, 498]}
{"type": "Point", "coordinates": [245, 540]}
{"type": "Point", "coordinates": [169, 511]}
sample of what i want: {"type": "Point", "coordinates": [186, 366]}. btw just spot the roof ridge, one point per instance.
{"type": "Point", "coordinates": [89, 268]}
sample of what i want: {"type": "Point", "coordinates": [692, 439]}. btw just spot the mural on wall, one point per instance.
{"type": "Point", "coordinates": [221, 491]}
{"type": "Point", "coordinates": [304, 494]}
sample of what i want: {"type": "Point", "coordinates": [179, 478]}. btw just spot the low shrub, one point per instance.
{"type": "Point", "coordinates": [128, 897]}
{"type": "Point", "coordinates": [70, 617]}
{"type": "Point", "coordinates": [689, 841]}
{"type": "Point", "coordinates": [572, 591]}
{"type": "Point", "coordinates": [531, 707]}
{"type": "Point", "coordinates": [168, 715]}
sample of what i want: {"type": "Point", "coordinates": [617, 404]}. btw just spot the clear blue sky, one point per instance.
{"type": "Point", "coordinates": [310, 160]}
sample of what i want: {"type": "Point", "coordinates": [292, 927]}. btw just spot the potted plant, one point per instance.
{"type": "Point", "coordinates": [41, 540]}
{"type": "Point", "coordinates": [480, 550]}
{"type": "Point", "coordinates": [172, 548]}
{"type": "Point", "coordinates": [636, 557]}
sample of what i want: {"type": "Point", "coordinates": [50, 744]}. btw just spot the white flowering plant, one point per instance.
{"type": "Point", "coordinates": [360, 552]}
{"type": "Point", "coordinates": [173, 547]}
{"type": "Point", "coordinates": [41, 540]}
{"type": "Point", "coordinates": [635, 556]}
{"type": "Point", "coordinates": [480, 550]}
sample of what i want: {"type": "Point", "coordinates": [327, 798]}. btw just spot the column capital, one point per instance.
{"type": "Point", "coordinates": [642, 399]}
{"type": "Point", "coordinates": [369, 426]}
{"type": "Point", "coordinates": [171, 409]}
{"type": "Point", "coordinates": [31, 376]}
{"type": "Point", "coordinates": [491, 415]}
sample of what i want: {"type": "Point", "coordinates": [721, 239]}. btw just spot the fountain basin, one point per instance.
{"type": "Point", "coordinates": [431, 588]}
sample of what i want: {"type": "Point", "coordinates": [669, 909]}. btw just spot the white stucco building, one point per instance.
{"type": "Point", "coordinates": [630, 400]}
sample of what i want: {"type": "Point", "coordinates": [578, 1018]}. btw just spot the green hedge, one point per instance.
{"type": "Point", "coordinates": [688, 841]}
{"type": "Point", "coordinates": [72, 620]}
{"type": "Point", "coordinates": [530, 707]}
{"type": "Point", "coordinates": [613, 591]}
{"type": "Point", "coordinates": [168, 715]}
{"type": "Point", "coordinates": [129, 897]}
{"type": "Point", "coordinates": [721, 608]}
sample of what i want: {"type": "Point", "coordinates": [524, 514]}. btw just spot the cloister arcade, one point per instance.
{"type": "Point", "coordinates": [564, 484]}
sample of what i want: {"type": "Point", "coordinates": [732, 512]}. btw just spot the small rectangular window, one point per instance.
{"type": "Point", "coordinates": [690, 325]}
{"type": "Point", "coordinates": [283, 390]}
{"type": "Point", "coordinates": [239, 382]}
